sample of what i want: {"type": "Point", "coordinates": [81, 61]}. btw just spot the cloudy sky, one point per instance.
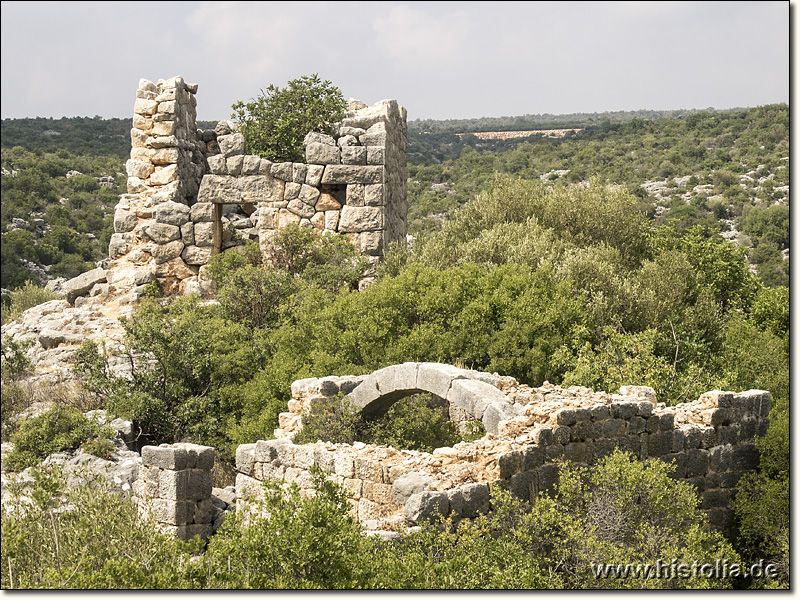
{"type": "Point", "coordinates": [439, 59]}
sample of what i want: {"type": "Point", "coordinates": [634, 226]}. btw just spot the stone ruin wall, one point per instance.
{"type": "Point", "coordinates": [353, 183]}
{"type": "Point", "coordinates": [710, 441]}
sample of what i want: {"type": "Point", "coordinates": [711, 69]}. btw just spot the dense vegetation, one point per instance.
{"type": "Point", "coordinates": [275, 123]}
{"type": "Point", "coordinates": [576, 278]}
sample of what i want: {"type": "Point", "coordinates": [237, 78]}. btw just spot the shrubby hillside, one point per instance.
{"type": "Point", "coordinates": [543, 259]}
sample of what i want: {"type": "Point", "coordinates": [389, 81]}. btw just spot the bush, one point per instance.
{"type": "Point", "coordinates": [87, 537]}
{"type": "Point", "coordinates": [412, 423]}
{"type": "Point", "coordinates": [55, 430]}
{"type": "Point", "coordinates": [275, 124]}
{"type": "Point", "coordinates": [29, 295]}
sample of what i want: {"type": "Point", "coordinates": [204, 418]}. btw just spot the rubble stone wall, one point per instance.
{"type": "Point", "coordinates": [353, 183]}
{"type": "Point", "coordinates": [709, 441]}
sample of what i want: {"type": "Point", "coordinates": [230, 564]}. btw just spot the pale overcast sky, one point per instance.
{"type": "Point", "coordinates": [439, 59]}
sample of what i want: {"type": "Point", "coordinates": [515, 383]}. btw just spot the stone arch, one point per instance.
{"type": "Point", "coordinates": [472, 391]}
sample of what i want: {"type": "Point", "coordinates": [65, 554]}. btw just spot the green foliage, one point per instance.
{"type": "Point", "coordinates": [275, 124]}
{"type": "Point", "coordinates": [55, 430]}
{"type": "Point", "coordinates": [25, 297]}
{"type": "Point", "coordinates": [412, 423]}
{"type": "Point", "coordinates": [328, 261]}
{"type": "Point", "coordinates": [87, 537]}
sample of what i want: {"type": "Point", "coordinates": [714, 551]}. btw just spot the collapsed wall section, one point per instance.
{"type": "Point", "coordinates": [709, 441]}
{"type": "Point", "coordinates": [193, 193]}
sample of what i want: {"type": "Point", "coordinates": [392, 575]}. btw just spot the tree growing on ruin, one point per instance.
{"type": "Point", "coordinates": [275, 123]}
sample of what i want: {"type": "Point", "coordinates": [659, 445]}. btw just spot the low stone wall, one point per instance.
{"type": "Point", "coordinates": [174, 486]}
{"type": "Point", "coordinates": [710, 441]}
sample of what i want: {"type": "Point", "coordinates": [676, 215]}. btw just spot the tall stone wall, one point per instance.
{"type": "Point", "coordinates": [192, 193]}
{"type": "Point", "coordinates": [709, 441]}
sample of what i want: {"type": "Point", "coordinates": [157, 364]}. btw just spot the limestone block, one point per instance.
{"type": "Point", "coordinates": [543, 436]}
{"type": "Point", "coordinates": [354, 155]}
{"type": "Point", "coordinates": [303, 457]}
{"type": "Point", "coordinates": [204, 234]}
{"type": "Point", "coordinates": [327, 202]}
{"type": "Point", "coordinates": [166, 141]}
{"type": "Point", "coordinates": [373, 195]}
{"type": "Point", "coordinates": [219, 189]}
{"type": "Point", "coordinates": [292, 191]}
{"type": "Point", "coordinates": [509, 463]}
{"type": "Point", "coordinates": [314, 175]}
{"type": "Point", "coordinates": [164, 175]}
{"type": "Point", "coordinates": [264, 167]}
{"type": "Point", "coordinates": [318, 221]}
{"type": "Point", "coordinates": [355, 219]}
{"type": "Point", "coordinates": [355, 194]}
{"type": "Point", "coordinates": [80, 285]}
{"type": "Point", "coordinates": [187, 233]}
{"type": "Point", "coordinates": [162, 233]}
{"type": "Point", "coordinates": [367, 509]}
{"type": "Point", "coordinates": [173, 512]}
{"type": "Point", "coordinates": [344, 466]}
{"type": "Point", "coordinates": [325, 460]}
{"type": "Point", "coordinates": [532, 458]}
{"type": "Point", "coordinates": [353, 487]}
{"type": "Point", "coordinates": [138, 168]}
{"type": "Point", "coordinates": [245, 455]}
{"type": "Point", "coordinates": [188, 532]}
{"type": "Point", "coordinates": [409, 484]}
{"type": "Point", "coordinates": [286, 217]}
{"type": "Point", "coordinates": [376, 155]}
{"type": "Point", "coordinates": [142, 106]}
{"type": "Point", "coordinates": [138, 138]}
{"type": "Point", "coordinates": [260, 188]}
{"type": "Point", "coordinates": [198, 484]}
{"type": "Point", "coordinates": [172, 213]}
{"type": "Point", "coordinates": [172, 484]}
{"type": "Point", "coordinates": [475, 499]}
{"type": "Point", "coordinates": [282, 171]}
{"type": "Point", "coordinates": [373, 139]}
{"type": "Point", "coordinates": [347, 141]}
{"type": "Point", "coordinates": [233, 164]}
{"type": "Point", "coordinates": [332, 220]}
{"type": "Point", "coordinates": [250, 164]}
{"type": "Point", "coordinates": [161, 128]}
{"type": "Point", "coordinates": [497, 412]}
{"type": "Point", "coordinates": [318, 138]}
{"type": "Point", "coordinates": [456, 502]}
{"type": "Point", "coordinates": [124, 220]}
{"type": "Point", "coordinates": [474, 396]}
{"type": "Point", "coordinates": [579, 452]}
{"type": "Point", "coordinates": [624, 410]}
{"type": "Point", "coordinates": [165, 156]}
{"type": "Point", "coordinates": [203, 511]}
{"type": "Point", "coordinates": [167, 107]}
{"type": "Point", "coordinates": [136, 185]}
{"type": "Point", "coordinates": [164, 253]}
{"type": "Point", "coordinates": [561, 434]}
{"type": "Point", "coordinates": [231, 145]}
{"type": "Point", "coordinates": [337, 174]}
{"type": "Point", "coordinates": [436, 377]}
{"type": "Point", "coordinates": [299, 171]}
{"type": "Point", "coordinates": [309, 195]}
{"type": "Point", "coordinates": [196, 255]}
{"type": "Point", "coordinates": [745, 457]}
{"type": "Point", "coordinates": [368, 470]}
{"type": "Point", "coordinates": [427, 506]}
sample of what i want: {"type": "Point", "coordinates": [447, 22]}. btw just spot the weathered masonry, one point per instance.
{"type": "Point", "coordinates": [193, 193]}
{"type": "Point", "coordinates": [710, 441]}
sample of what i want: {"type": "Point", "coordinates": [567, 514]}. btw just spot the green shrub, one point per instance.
{"type": "Point", "coordinates": [87, 537]}
{"type": "Point", "coordinates": [275, 124]}
{"type": "Point", "coordinates": [55, 430]}
{"type": "Point", "coordinates": [25, 297]}
{"type": "Point", "coordinates": [412, 423]}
